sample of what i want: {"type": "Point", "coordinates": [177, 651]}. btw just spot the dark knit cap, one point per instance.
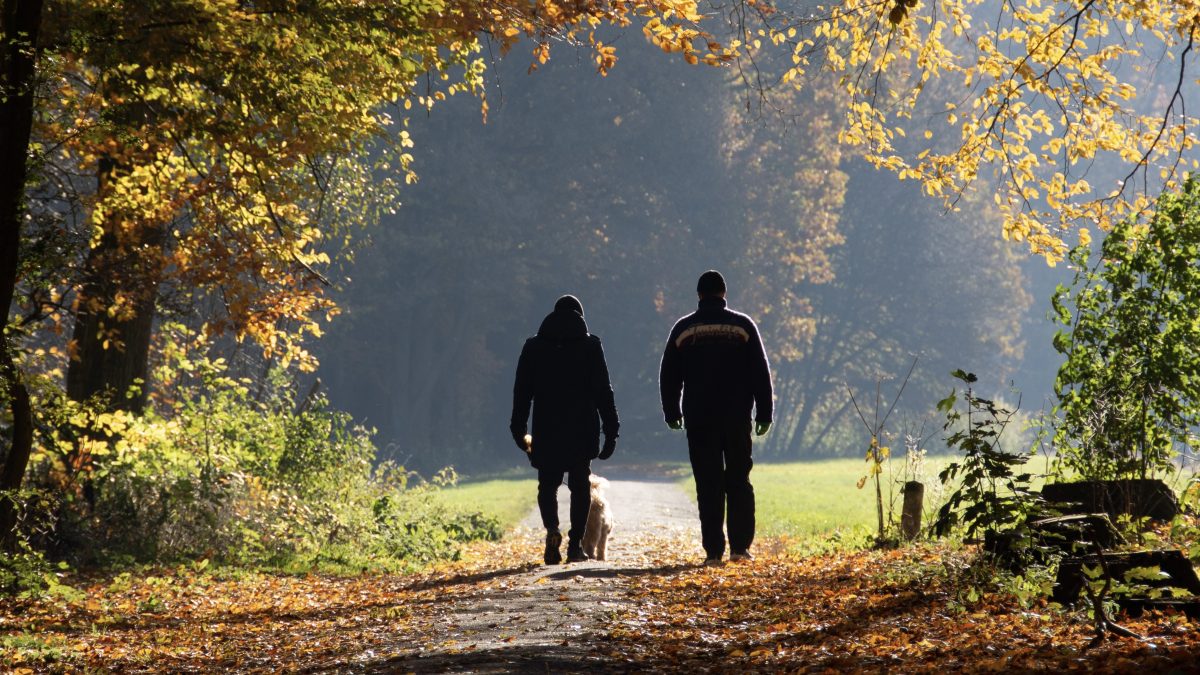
{"type": "Point", "coordinates": [569, 302]}
{"type": "Point", "coordinates": [711, 283]}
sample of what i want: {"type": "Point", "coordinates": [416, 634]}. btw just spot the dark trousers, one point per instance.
{"type": "Point", "coordinates": [578, 483]}
{"type": "Point", "coordinates": [721, 463]}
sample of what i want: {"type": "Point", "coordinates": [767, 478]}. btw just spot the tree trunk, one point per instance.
{"type": "Point", "coordinates": [17, 458]}
{"type": "Point", "coordinates": [112, 348]}
{"type": "Point", "coordinates": [112, 354]}
{"type": "Point", "coordinates": [19, 25]}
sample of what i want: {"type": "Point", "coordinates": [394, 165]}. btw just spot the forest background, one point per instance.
{"type": "Point", "coordinates": [622, 190]}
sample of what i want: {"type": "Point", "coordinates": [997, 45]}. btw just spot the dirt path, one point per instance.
{"type": "Point", "coordinates": [651, 609]}
{"type": "Point", "coordinates": [552, 618]}
{"type": "Point", "coordinates": [640, 506]}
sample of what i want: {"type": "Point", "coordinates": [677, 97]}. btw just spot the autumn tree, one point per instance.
{"type": "Point", "coordinates": [20, 34]}
{"type": "Point", "coordinates": [219, 152]}
{"type": "Point", "coordinates": [1075, 108]}
{"type": "Point", "coordinates": [1066, 115]}
{"type": "Point", "coordinates": [231, 145]}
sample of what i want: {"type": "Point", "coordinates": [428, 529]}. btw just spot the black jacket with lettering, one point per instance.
{"type": "Point", "coordinates": [562, 373]}
{"type": "Point", "coordinates": [716, 357]}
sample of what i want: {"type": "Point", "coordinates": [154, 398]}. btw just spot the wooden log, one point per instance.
{"type": "Point", "coordinates": [1015, 549]}
{"type": "Point", "coordinates": [1075, 533]}
{"type": "Point", "coordinates": [1135, 607]}
{"type": "Point", "coordinates": [1149, 498]}
{"type": "Point", "coordinates": [910, 516]}
{"type": "Point", "coordinates": [1178, 569]}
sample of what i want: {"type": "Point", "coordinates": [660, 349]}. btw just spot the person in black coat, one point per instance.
{"type": "Point", "coordinates": [562, 373]}
{"type": "Point", "coordinates": [716, 358]}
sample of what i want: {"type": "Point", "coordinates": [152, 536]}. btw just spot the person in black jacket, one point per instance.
{"type": "Point", "coordinates": [562, 372]}
{"type": "Point", "coordinates": [716, 357]}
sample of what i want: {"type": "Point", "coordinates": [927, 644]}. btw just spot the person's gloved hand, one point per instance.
{"type": "Point", "coordinates": [610, 444]}
{"type": "Point", "coordinates": [519, 437]}
{"type": "Point", "coordinates": [675, 424]}
{"type": "Point", "coordinates": [760, 428]}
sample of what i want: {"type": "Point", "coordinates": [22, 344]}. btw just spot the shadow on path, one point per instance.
{"type": "Point", "coordinates": [512, 659]}
{"type": "Point", "coordinates": [462, 579]}
{"type": "Point", "coordinates": [616, 572]}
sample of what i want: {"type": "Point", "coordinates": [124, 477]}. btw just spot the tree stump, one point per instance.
{"type": "Point", "coordinates": [1148, 498]}
{"type": "Point", "coordinates": [910, 516]}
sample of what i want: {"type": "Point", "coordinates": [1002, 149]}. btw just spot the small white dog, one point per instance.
{"type": "Point", "coordinates": [599, 522]}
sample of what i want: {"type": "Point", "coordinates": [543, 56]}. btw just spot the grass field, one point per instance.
{"type": "Point", "coordinates": [508, 498]}
{"type": "Point", "coordinates": [814, 505]}
{"type": "Point", "coordinates": [803, 499]}
{"type": "Point", "coordinates": [798, 500]}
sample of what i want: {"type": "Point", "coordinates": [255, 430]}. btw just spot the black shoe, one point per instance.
{"type": "Point", "coordinates": [713, 561]}
{"type": "Point", "coordinates": [575, 553]}
{"type": "Point", "coordinates": [553, 541]}
{"type": "Point", "coordinates": [741, 556]}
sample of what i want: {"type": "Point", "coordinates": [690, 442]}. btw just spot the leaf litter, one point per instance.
{"type": "Point", "coordinates": [650, 609]}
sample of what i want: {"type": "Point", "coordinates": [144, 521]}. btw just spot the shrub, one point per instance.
{"type": "Point", "coordinates": [990, 495]}
{"type": "Point", "coordinates": [215, 471]}
{"type": "Point", "coordinates": [25, 572]}
{"type": "Point", "coordinates": [1129, 389]}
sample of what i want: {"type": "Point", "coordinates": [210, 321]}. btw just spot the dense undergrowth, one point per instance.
{"type": "Point", "coordinates": [226, 470]}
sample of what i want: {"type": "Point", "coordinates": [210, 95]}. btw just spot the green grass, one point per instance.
{"type": "Point", "coordinates": [806, 500]}
{"type": "Point", "coordinates": [799, 500]}
{"type": "Point", "coordinates": [809, 499]}
{"type": "Point", "coordinates": [32, 648]}
{"type": "Point", "coordinates": [509, 499]}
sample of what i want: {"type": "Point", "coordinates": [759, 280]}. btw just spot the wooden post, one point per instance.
{"type": "Point", "coordinates": [910, 517]}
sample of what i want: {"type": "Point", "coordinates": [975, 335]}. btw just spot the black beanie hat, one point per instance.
{"type": "Point", "coordinates": [569, 302]}
{"type": "Point", "coordinates": [711, 283]}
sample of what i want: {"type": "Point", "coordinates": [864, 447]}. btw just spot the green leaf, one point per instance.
{"type": "Point", "coordinates": [947, 403]}
{"type": "Point", "coordinates": [964, 376]}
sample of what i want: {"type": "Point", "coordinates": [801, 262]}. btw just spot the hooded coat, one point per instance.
{"type": "Point", "coordinates": [563, 375]}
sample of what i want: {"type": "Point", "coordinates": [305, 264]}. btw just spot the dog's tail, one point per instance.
{"type": "Point", "coordinates": [598, 483]}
